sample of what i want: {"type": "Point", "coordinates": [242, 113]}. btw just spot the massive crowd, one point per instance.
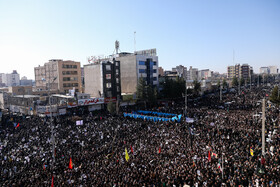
{"type": "Point", "coordinates": [222, 147]}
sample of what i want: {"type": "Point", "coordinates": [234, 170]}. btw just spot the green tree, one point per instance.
{"type": "Point", "coordinates": [173, 88]}
{"type": "Point", "coordinates": [196, 87]}
{"type": "Point", "coordinates": [225, 84]}
{"type": "Point", "coordinates": [111, 107]}
{"type": "Point", "coordinates": [141, 91]}
{"type": "Point", "coordinates": [242, 81]}
{"type": "Point", "coordinates": [234, 82]}
{"type": "Point", "coordinates": [152, 95]}
{"type": "Point", "coordinates": [275, 96]}
{"type": "Point", "coordinates": [219, 83]}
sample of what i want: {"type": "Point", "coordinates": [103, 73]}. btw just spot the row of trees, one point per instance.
{"type": "Point", "coordinates": [275, 95]}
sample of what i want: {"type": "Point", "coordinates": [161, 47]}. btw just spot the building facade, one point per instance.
{"type": "Point", "coordinates": [136, 65]}
{"type": "Point", "coordinates": [11, 79]}
{"type": "Point", "coordinates": [239, 71]}
{"type": "Point", "coordinates": [273, 70]}
{"type": "Point", "coordinates": [264, 70]}
{"type": "Point", "coordinates": [59, 75]}
{"type": "Point", "coordinates": [25, 82]}
{"type": "Point", "coordinates": [103, 79]}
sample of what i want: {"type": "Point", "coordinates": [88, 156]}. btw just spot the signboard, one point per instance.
{"type": "Point", "coordinates": [79, 122]}
{"type": "Point", "coordinates": [62, 111]}
{"type": "Point", "coordinates": [92, 101]}
{"type": "Point", "coordinates": [94, 107]}
{"type": "Point", "coordinates": [110, 99]}
{"type": "Point", "coordinates": [46, 109]}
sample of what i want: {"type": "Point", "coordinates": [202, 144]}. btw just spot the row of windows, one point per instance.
{"type": "Point", "coordinates": [70, 85]}
{"type": "Point", "coordinates": [69, 66]}
{"type": "Point", "coordinates": [144, 63]}
{"type": "Point", "coordinates": [145, 70]}
{"type": "Point", "coordinates": [69, 72]}
{"type": "Point", "coordinates": [70, 78]}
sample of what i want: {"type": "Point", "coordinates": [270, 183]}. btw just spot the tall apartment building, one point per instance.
{"type": "Point", "coordinates": [102, 79]}
{"type": "Point", "coordinates": [239, 71]}
{"type": "Point", "coordinates": [273, 69]}
{"type": "Point", "coordinates": [264, 70]}
{"type": "Point", "coordinates": [11, 79]}
{"type": "Point", "coordinates": [135, 65]}
{"type": "Point", "coordinates": [230, 72]}
{"type": "Point", "coordinates": [59, 75]}
{"type": "Point", "coordinates": [205, 74]}
{"type": "Point", "coordinates": [192, 74]}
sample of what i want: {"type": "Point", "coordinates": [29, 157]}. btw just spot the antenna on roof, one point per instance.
{"type": "Point", "coordinates": [134, 41]}
{"type": "Point", "coordinates": [117, 46]}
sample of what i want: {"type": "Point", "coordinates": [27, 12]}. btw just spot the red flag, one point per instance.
{"type": "Point", "coordinates": [17, 125]}
{"type": "Point", "coordinates": [209, 156]}
{"type": "Point", "coordinates": [266, 95]}
{"type": "Point", "coordinates": [52, 181]}
{"type": "Point", "coordinates": [70, 164]}
{"type": "Point", "coordinates": [131, 149]}
{"type": "Point", "coordinates": [44, 167]}
{"type": "Point", "coordinates": [159, 150]}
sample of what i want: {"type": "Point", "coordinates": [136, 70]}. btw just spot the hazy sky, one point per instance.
{"type": "Point", "coordinates": [194, 33]}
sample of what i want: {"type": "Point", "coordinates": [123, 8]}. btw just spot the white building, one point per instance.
{"type": "Point", "coordinates": [11, 79]}
{"type": "Point", "coordinates": [204, 74]}
{"type": "Point", "coordinates": [273, 69]}
{"type": "Point", "coordinates": [135, 65]}
{"type": "Point", "coordinates": [192, 74]}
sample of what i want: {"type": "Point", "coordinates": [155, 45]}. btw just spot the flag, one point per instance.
{"type": "Point", "coordinates": [219, 166]}
{"type": "Point", "coordinates": [17, 125]}
{"type": "Point", "coordinates": [44, 167]}
{"type": "Point", "coordinates": [214, 154]}
{"type": "Point", "coordinates": [52, 181]}
{"type": "Point", "coordinates": [209, 156]}
{"type": "Point", "coordinates": [193, 164]}
{"type": "Point", "coordinates": [131, 149]}
{"type": "Point", "coordinates": [126, 155]}
{"type": "Point", "coordinates": [251, 151]}
{"type": "Point", "coordinates": [70, 164]}
{"type": "Point", "coordinates": [159, 150]}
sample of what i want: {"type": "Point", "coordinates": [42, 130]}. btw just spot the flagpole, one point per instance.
{"type": "Point", "coordinates": [222, 165]}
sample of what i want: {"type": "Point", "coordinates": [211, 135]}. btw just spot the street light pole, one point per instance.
{"type": "Point", "coordinates": [263, 127]}
{"type": "Point", "coordinates": [220, 92]}
{"type": "Point", "coordinates": [186, 99]}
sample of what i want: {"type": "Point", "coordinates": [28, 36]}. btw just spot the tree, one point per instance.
{"type": "Point", "coordinates": [173, 88]}
{"type": "Point", "coordinates": [219, 83]}
{"type": "Point", "coordinates": [242, 81]}
{"type": "Point", "coordinates": [141, 92]}
{"type": "Point", "coordinates": [275, 96]}
{"type": "Point", "coordinates": [196, 87]}
{"type": "Point", "coordinates": [111, 107]}
{"type": "Point", "coordinates": [152, 95]}
{"type": "Point", "coordinates": [225, 84]}
{"type": "Point", "coordinates": [234, 82]}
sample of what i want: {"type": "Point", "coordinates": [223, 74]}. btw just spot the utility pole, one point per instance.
{"type": "Point", "coordinates": [222, 165]}
{"type": "Point", "coordinates": [263, 127]}
{"type": "Point", "coordinates": [258, 80]}
{"type": "Point", "coordinates": [220, 92]}
{"type": "Point", "coordinates": [186, 99]}
{"type": "Point", "coordinates": [239, 86]}
{"type": "Point", "coordinates": [251, 82]}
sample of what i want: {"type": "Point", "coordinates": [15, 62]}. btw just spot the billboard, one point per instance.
{"type": "Point", "coordinates": [92, 101]}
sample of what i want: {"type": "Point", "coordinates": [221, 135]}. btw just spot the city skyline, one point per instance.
{"type": "Point", "coordinates": [189, 33]}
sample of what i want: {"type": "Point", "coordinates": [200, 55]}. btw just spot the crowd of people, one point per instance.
{"type": "Point", "coordinates": [222, 147]}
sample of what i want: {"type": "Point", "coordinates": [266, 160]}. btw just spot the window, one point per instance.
{"type": "Point", "coordinates": [117, 80]}
{"type": "Point", "coordinates": [118, 89]}
{"type": "Point", "coordinates": [142, 71]}
{"type": "Point", "coordinates": [154, 70]}
{"type": "Point", "coordinates": [117, 71]}
{"type": "Point", "coordinates": [109, 94]}
{"type": "Point", "coordinates": [75, 66]}
{"type": "Point", "coordinates": [155, 63]}
{"type": "Point", "coordinates": [108, 85]}
{"type": "Point", "coordinates": [154, 78]}
{"type": "Point", "coordinates": [108, 76]}
{"type": "Point", "coordinates": [108, 67]}
{"type": "Point", "coordinates": [142, 63]}
{"type": "Point", "coordinates": [117, 63]}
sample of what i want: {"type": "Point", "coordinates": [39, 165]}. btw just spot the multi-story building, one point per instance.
{"type": "Point", "coordinates": [25, 82]}
{"type": "Point", "coordinates": [273, 70]}
{"type": "Point", "coordinates": [160, 71]}
{"type": "Point", "coordinates": [181, 71]}
{"type": "Point", "coordinates": [205, 74]}
{"type": "Point", "coordinates": [192, 74]}
{"type": "Point", "coordinates": [102, 79]}
{"type": "Point", "coordinates": [264, 70]}
{"type": "Point", "coordinates": [239, 71]}
{"type": "Point", "coordinates": [230, 72]}
{"type": "Point", "coordinates": [135, 65]}
{"type": "Point", "coordinates": [11, 79]}
{"type": "Point", "coordinates": [59, 75]}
